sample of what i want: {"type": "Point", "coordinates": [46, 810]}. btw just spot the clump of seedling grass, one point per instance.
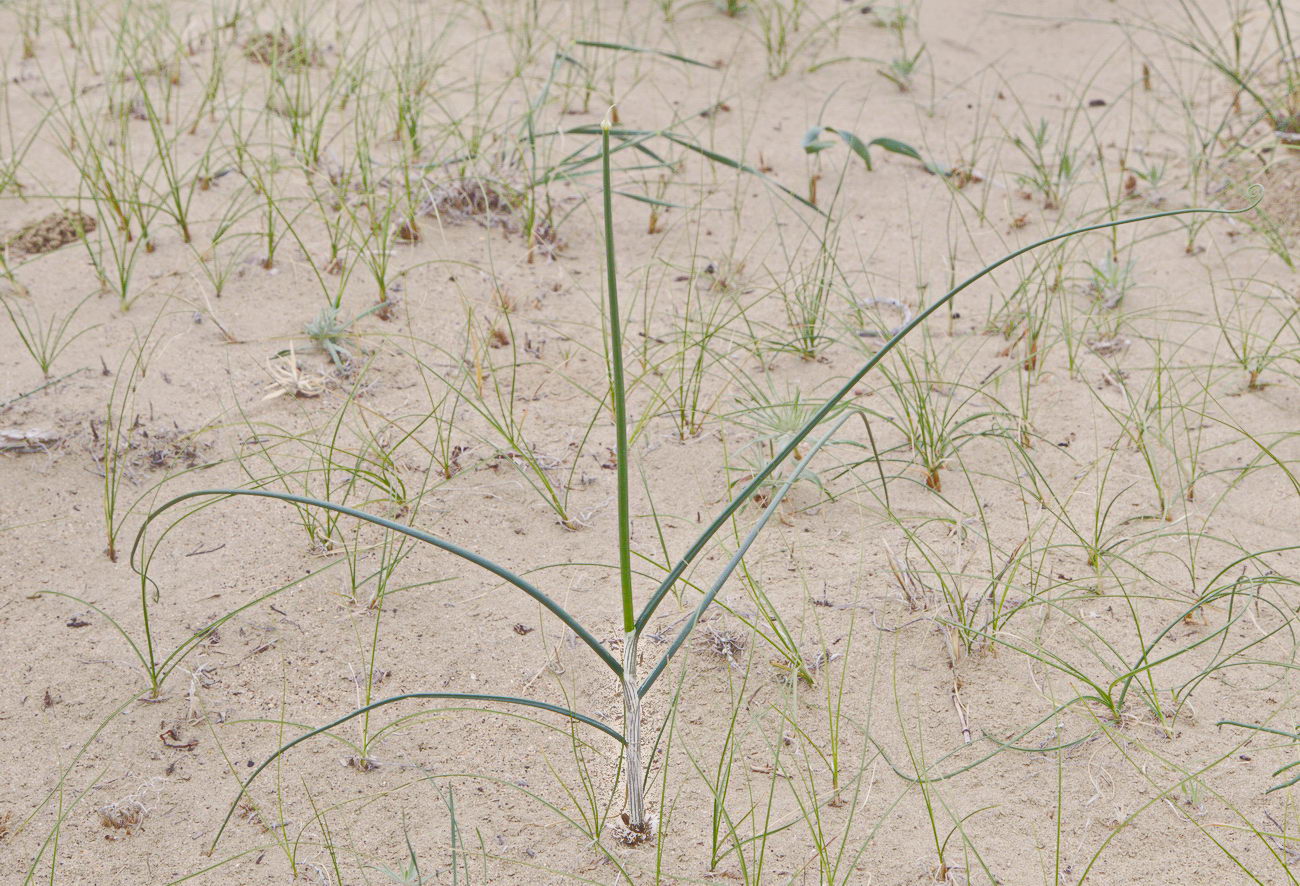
{"type": "Point", "coordinates": [331, 333]}
{"type": "Point", "coordinates": [1111, 280]}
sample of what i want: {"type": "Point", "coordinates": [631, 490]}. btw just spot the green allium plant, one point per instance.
{"type": "Point", "coordinates": [633, 686]}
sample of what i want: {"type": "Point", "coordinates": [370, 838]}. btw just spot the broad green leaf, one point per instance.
{"type": "Point", "coordinates": [813, 142]}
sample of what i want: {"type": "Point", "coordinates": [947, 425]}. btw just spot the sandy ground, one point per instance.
{"type": "Point", "coordinates": [1130, 427]}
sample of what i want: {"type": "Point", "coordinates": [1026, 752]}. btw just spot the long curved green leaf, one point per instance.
{"type": "Point", "coordinates": [463, 696]}
{"type": "Point", "coordinates": [635, 136]}
{"type": "Point", "coordinates": [1256, 194]}
{"type": "Point", "coordinates": [623, 47]}
{"type": "Point", "coordinates": [451, 548]}
{"type": "Point", "coordinates": [721, 580]}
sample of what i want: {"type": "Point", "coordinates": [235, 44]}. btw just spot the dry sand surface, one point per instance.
{"type": "Point", "coordinates": [355, 252]}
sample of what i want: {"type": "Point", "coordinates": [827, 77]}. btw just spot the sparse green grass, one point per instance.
{"type": "Point", "coordinates": [986, 637]}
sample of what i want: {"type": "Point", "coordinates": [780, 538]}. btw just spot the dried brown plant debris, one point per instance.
{"type": "Point", "coordinates": [289, 378]}
{"type": "Point", "coordinates": [472, 199]}
{"type": "Point", "coordinates": [281, 49]}
{"type": "Point", "coordinates": [55, 230]}
{"type": "Point", "coordinates": [126, 816]}
{"type": "Point", "coordinates": [408, 231]}
{"type": "Point", "coordinates": [630, 836]}
{"type": "Point", "coordinates": [361, 764]}
{"type": "Point", "coordinates": [28, 439]}
{"type": "Point", "coordinates": [493, 206]}
{"type": "Point", "coordinates": [145, 447]}
{"type": "Point", "coordinates": [250, 813]}
{"type": "Point", "coordinates": [545, 241]}
{"type": "Point", "coordinates": [724, 644]}
{"type": "Point", "coordinates": [173, 738]}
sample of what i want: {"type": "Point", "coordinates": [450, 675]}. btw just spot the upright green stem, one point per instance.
{"type": "Point", "coordinates": [634, 818]}
{"type": "Point", "coordinates": [620, 404]}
